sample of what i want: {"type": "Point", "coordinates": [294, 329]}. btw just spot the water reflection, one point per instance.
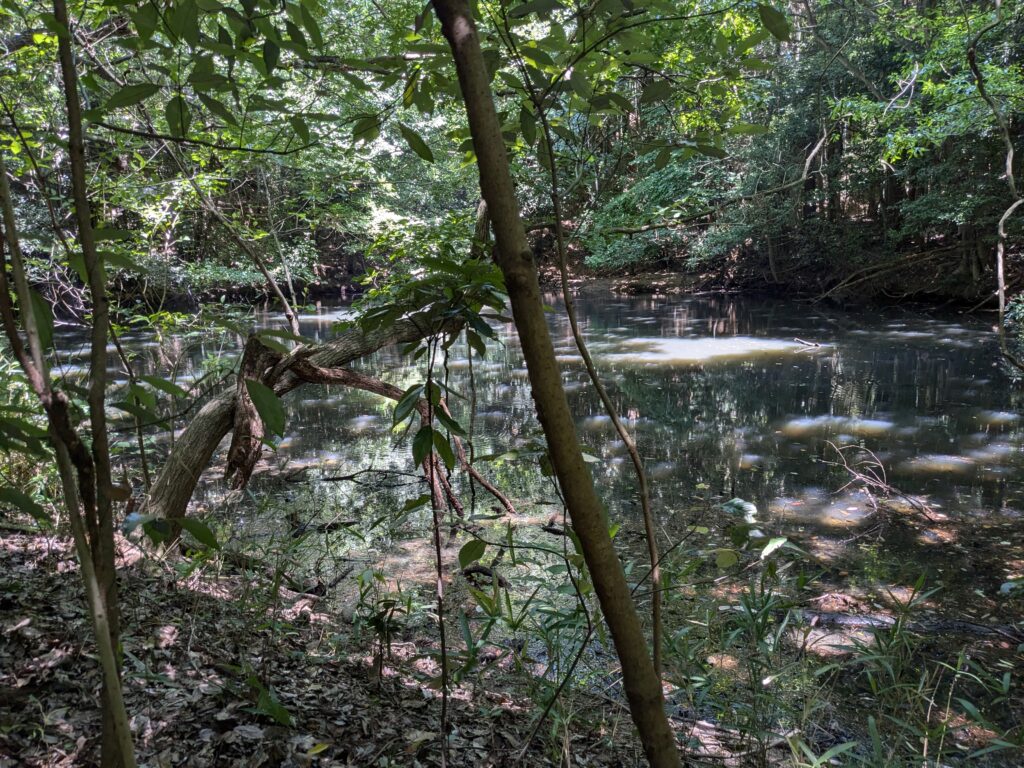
{"type": "Point", "coordinates": [671, 351]}
{"type": "Point", "coordinates": [717, 391]}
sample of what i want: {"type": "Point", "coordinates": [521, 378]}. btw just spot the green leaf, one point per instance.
{"type": "Point", "coordinates": [537, 57]}
{"type": "Point", "coordinates": [838, 749]}
{"type": "Point", "coordinates": [24, 503]}
{"type": "Point", "coordinates": [534, 6]}
{"type": "Point", "coordinates": [178, 117]}
{"type": "Point", "coordinates": [471, 552]}
{"type": "Point", "coordinates": [712, 151]}
{"type": "Point", "coordinates": [183, 21]}
{"type": "Point", "coordinates": [301, 129]}
{"type": "Point", "coordinates": [407, 403]}
{"type": "Point", "coordinates": [973, 712]}
{"type": "Point", "coordinates": [268, 704]}
{"type": "Point", "coordinates": [131, 94]}
{"type": "Point", "coordinates": [366, 129]}
{"type": "Point", "coordinates": [528, 125]}
{"type": "Point", "coordinates": [580, 84]}
{"type": "Point", "coordinates": [271, 55]}
{"type": "Point", "coordinates": [44, 319]}
{"type": "Point", "coordinates": [218, 108]}
{"type": "Point", "coordinates": [145, 19]}
{"type": "Point", "coordinates": [659, 90]}
{"type": "Point", "coordinates": [106, 234]}
{"type": "Point", "coordinates": [748, 129]}
{"type": "Point", "coordinates": [726, 558]}
{"type": "Point", "coordinates": [444, 448]}
{"type": "Point", "coordinates": [773, 545]}
{"type": "Point", "coordinates": [747, 43]}
{"type": "Point", "coordinates": [416, 142]}
{"type": "Point", "coordinates": [268, 405]}
{"type": "Point", "coordinates": [420, 501]}
{"type": "Point", "coordinates": [995, 746]}
{"type": "Point", "coordinates": [774, 21]}
{"type": "Point", "coordinates": [476, 343]}
{"type": "Point", "coordinates": [312, 28]}
{"type": "Point", "coordinates": [200, 531]}
{"type": "Point", "coordinates": [145, 414]}
{"type": "Point", "coordinates": [51, 23]}
{"type": "Point", "coordinates": [422, 444]}
{"type": "Point", "coordinates": [118, 260]}
{"type": "Point", "coordinates": [449, 423]}
{"type": "Point", "coordinates": [168, 387]}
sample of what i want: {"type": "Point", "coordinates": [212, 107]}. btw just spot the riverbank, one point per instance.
{"type": "Point", "coordinates": [224, 667]}
{"type": "Point", "coordinates": [846, 292]}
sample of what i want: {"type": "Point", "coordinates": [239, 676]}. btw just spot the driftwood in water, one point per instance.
{"type": "Point", "coordinates": [194, 448]}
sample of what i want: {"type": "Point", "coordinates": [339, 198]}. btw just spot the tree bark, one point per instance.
{"type": "Point", "coordinates": [116, 750]}
{"type": "Point", "coordinates": [74, 464]}
{"type": "Point", "coordinates": [515, 259]}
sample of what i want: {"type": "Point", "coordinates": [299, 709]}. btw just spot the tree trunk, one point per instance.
{"type": "Point", "coordinates": [117, 749]}
{"type": "Point", "coordinates": [515, 259]}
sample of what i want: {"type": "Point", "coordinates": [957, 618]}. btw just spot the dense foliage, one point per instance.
{"type": "Point", "coordinates": [176, 161]}
{"type": "Point", "coordinates": [685, 135]}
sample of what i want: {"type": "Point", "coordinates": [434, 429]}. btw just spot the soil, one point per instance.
{"type": "Point", "coordinates": [219, 672]}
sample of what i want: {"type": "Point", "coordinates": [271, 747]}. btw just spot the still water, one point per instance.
{"type": "Point", "coordinates": [724, 394]}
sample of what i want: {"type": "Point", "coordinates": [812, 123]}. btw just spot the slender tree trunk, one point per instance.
{"type": "Point", "coordinates": [1011, 182]}
{"type": "Point", "coordinates": [627, 440]}
{"type": "Point", "coordinates": [515, 259]}
{"type": "Point", "coordinates": [272, 226]}
{"type": "Point", "coordinates": [101, 520]}
{"type": "Point", "coordinates": [75, 467]}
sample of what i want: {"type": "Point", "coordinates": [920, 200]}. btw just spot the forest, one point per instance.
{"type": "Point", "coordinates": [503, 382]}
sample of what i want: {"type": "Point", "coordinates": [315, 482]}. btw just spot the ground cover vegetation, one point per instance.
{"type": "Point", "coordinates": [165, 166]}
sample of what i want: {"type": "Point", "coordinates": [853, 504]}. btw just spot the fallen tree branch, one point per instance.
{"type": "Point", "coordinates": [194, 448]}
{"type": "Point", "coordinates": [877, 270]}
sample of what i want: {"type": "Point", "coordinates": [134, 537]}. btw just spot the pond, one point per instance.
{"type": "Point", "coordinates": [727, 396]}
